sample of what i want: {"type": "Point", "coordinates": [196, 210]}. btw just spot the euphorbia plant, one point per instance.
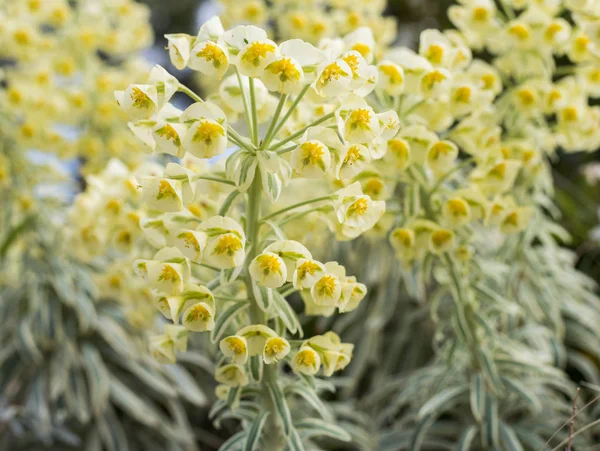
{"type": "Point", "coordinates": [231, 273]}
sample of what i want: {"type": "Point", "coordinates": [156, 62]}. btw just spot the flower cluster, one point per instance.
{"type": "Point", "coordinates": [234, 270]}
{"type": "Point", "coordinates": [64, 68]}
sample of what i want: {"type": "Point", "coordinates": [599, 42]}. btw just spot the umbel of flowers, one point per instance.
{"type": "Point", "coordinates": [66, 59]}
{"type": "Point", "coordinates": [230, 274]}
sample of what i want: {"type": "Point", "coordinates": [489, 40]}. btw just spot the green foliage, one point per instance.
{"type": "Point", "coordinates": [73, 372]}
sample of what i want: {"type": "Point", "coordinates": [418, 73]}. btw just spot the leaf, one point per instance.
{"type": "Point", "coordinates": [232, 163]}
{"type": "Point", "coordinates": [490, 371]}
{"type": "Point", "coordinates": [224, 319]}
{"type": "Point", "coordinates": [272, 185]}
{"type": "Point", "coordinates": [490, 426]}
{"type": "Point", "coordinates": [186, 386]}
{"type": "Point", "coordinates": [138, 408]}
{"type": "Point", "coordinates": [244, 173]}
{"type": "Point", "coordinates": [312, 427]}
{"type": "Point", "coordinates": [262, 295]}
{"type": "Point", "coordinates": [421, 430]}
{"type": "Point", "coordinates": [230, 275]}
{"type": "Point", "coordinates": [509, 438]}
{"type": "Point", "coordinates": [254, 432]}
{"type": "Point", "coordinates": [287, 314]}
{"type": "Point", "coordinates": [311, 397]}
{"type": "Point", "coordinates": [233, 442]}
{"type": "Point", "coordinates": [218, 407]}
{"type": "Point", "coordinates": [442, 401]}
{"type": "Point", "coordinates": [294, 442]}
{"type": "Point", "coordinates": [276, 230]}
{"type": "Point", "coordinates": [111, 432]}
{"type": "Point", "coordinates": [152, 378]}
{"type": "Point", "coordinates": [524, 393]}
{"type": "Point", "coordinates": [281, 406]}
{"type": "Point", "coordinates": [256, 367]}
{"type": "Point", "coordinates": [227, 202]}
{"type": "Point", "coordinates": [477, 397]}
{"type": "Point", "coordinates": [466, 439]}
{"type": "Point", "coordinates": [116, 338]}
{"type": "Point", "coordinates": [26, 342]}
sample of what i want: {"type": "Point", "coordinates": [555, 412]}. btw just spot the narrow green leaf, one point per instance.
{"type": "Point", "coordinates": [254, 432]}
{"type": "Point", "coordinates": [509, 438]}
{"type": "Point", "coordinates": [26, 342]}
{"type": "Point", "coordinates": [138, 408]}
{"type": "Point", "coordinates": [281, 406]}
{"type": "Point", "coordinates": [234, 442]}
{"type": "Point", "coordinates": [153, 379]}
{"type": "Point", "coordinates": [256, 367]}
{"type": "Point", "coordinates": [295, 442]}
{"type": "Point", "coordinates": [466, 439]}
{"type": "Point", "coordinates": [230, 275]}
{"type": "Point", "coordinates": [420, 432]}
{"type": "Point", "coordinates": [311, 397]}
{"type": "Point", "coordinates": [262, 295]}
{"type": "Point", "coordinates": [490, 428]}
{"type": "Point", "coordinates": [313, 427]}
{"type": "Point", "coordinates": [186, 385]}
{"type": "Point", "coordinates": [227, 202]}
{"type": "Point", "coordinates": [524, 393]}
{"type": "Point", "coordinates": [442, 401]}
{"type": "Point", "coordinates": [287, 314]}
{"type": "Point", "coordinates": [224, 319]}
{"type": "Point", "coordinates": [477, 397]}
{"type": "Point", "coordinates": [490, 371]}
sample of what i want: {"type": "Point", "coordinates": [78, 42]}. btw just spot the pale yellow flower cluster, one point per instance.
{"type": "Point", "coordinates": [66, 59]}
{"type": "Point", "coordinates": [231, 272]}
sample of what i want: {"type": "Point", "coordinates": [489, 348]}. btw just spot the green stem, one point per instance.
{"type": "Point", "coordinates": [228, 202]}
{"type": "Point", "coordinates": [190, 93]}
{"type": "Point", "coordinates": [286, 149]}
{"type": "Point", "coordinates": [289, 112]}
{"type": "Point", "coordinates": [293, 207]}
{"type": "Point", "coordinates": [301, 132]}
{"type": "Point", "coordinates": [580, 431]}
{"type": "Point", "coordinates": [271, 130]}
{"type": "Point", "coordinates": [252, 227]}
{"type": "Point", "coordinates": [254, 113]}
{"type": "Point", "coordinates": [213, 179]}
{"type": "Point", "coordinates": [245, 100]}
{"type": "Point", "coordinates": [257, 316]}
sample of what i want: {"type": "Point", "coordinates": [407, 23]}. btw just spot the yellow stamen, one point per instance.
{"type": "Point", "coordinates": [169, 274]}
{"type": "Point", "coordinates": [360, 118]}
{"type": "Point", "coordinates": [140, 99]}
{"type": "Point", "coordinates": [392, 72]}
{"type": "Point", "coordinates": [256, 52]}
{"type": "Point", "coordinates": [207, 131]}
{"type": "Point", "coordinates": [270, 264]}
{"type": "Point", "coordinates": [285, 69]}
{"type": "Point", "coordinates": [228, 244]}
{"type": "Point", "coordinates": [212, 53]}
